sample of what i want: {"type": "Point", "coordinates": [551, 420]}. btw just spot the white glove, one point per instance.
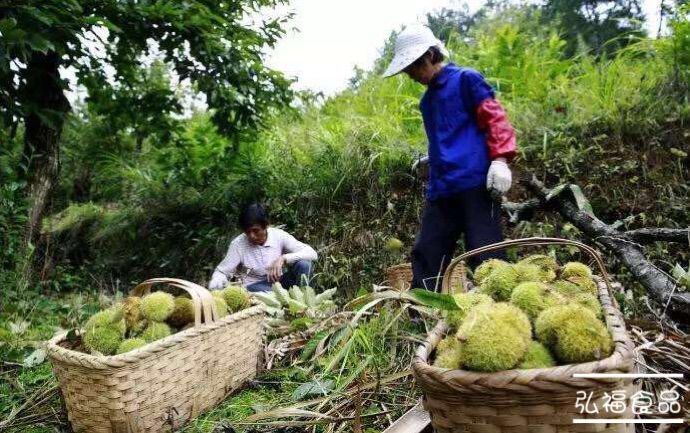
{"type": "Point", "coordinates": [218, 281]}
{"type": "Point", "coordinates": [499, 177]}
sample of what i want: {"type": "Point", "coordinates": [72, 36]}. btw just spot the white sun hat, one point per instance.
{"type": "Point", "coordinates": [410, 45]}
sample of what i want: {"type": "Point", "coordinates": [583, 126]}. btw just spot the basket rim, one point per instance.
{"type": "Point", "coordinates": [73, 357]}
{"type": "Point", "coordinates": [619, 361]}
{"type": "Point", "coordinates": [400, 267]}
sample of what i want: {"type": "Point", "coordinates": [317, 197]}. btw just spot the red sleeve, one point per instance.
{"type": "Point", "coordinates": [500, 136]}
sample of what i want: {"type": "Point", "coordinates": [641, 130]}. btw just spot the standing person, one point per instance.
{"type": "Point", "coordinates": [262, 251]}
{"type": "Point", "coordinates": [471, 143]}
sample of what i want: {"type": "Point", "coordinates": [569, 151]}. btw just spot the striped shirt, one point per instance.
{"type": "Point", "coordinates": [256, 259]}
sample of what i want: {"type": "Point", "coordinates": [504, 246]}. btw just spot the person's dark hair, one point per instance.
{"type": "Point", "coordinates": [433, 54]}
{"type": "Point", "coordinates": [252, 214]}
{"type": "Point", "coordinates": [436, 56]}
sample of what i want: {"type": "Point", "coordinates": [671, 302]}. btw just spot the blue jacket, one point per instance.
{"type": "Point", "coordinates": [458, 152]}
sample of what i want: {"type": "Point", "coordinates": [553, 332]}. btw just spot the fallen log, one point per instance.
{"type": "Point", "coordinates": [661, 287]}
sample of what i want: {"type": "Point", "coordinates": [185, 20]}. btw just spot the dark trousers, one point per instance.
{"type": "Point", "coordinates": [472, 213]}
{"type": "Point", "coordinates": [296, 273]}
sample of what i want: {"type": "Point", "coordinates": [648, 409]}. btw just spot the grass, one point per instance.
{"type": "Point", "coordinates": [358, 352]}
{"type": "Point", "coordinates": [265, 393]}
{"type": "Point", "coordinates": [29, 400]}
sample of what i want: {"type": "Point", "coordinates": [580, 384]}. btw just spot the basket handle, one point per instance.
{"type": "Point", "coordinates": [201, 298]}
{"type": "Point", "coordinates": [534, 241]}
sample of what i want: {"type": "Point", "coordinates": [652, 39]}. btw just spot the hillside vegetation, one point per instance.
{"type": "Point", "coordinates": [337, 172]}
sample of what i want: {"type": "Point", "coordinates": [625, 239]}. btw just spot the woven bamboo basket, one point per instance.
{"type": "Point", "coordinates": [535, 400]}
{"type": "Point", "coordinates": [162, 385]}
{"type": "Point", "coordinates": [399, 277]}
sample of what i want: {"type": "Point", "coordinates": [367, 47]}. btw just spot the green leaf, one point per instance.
{"type": "Point", "coordinates": [312, 344]}
{"type": "Point", "coordinates": [581, 200]}
{"type": "Point", "coordinates": [361, 366]}
{"type": "Point", "coordinates": [7, 24]}
{"type": "Point", "coordinates": [301, 323]}
{"type": "Point", "coordinates": [555, 191]}
{"type": "Point", "coordinates": [316, 386]}
{"type": "Point", "coordinates": [40, 44]}
{"type": "Point", "coordinates": [678, 272]}
{"type": "Point", "coordinates": [35, 358]}
{"type": "Point", "coordinates": [682, 275]}
{"type": "Point", "coordinates": [441, 301]}
{"type": "Point", "coordinates": [39, 15]}
{"type": "Point", "coordinates": [101, 21]}
{"type": "Point", "coordinates": [261, 407]}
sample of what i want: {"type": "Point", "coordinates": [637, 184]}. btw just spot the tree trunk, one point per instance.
{"type": "Point", "coordinates": [43, 126]}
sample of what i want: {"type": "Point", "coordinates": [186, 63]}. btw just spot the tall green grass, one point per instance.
{"type": "Point", "coordinates": [337, 173]}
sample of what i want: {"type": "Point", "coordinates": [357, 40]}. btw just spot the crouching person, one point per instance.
{"type": "Point", "coordinates": [262, 252]}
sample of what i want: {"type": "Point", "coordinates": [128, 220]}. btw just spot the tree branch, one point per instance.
{"type": "Point", "coordinates": [521, 211]}
{"type": "Point", "coordinates": [649, 235]}
{"type": "Point", "coordinates": [659, 285]}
